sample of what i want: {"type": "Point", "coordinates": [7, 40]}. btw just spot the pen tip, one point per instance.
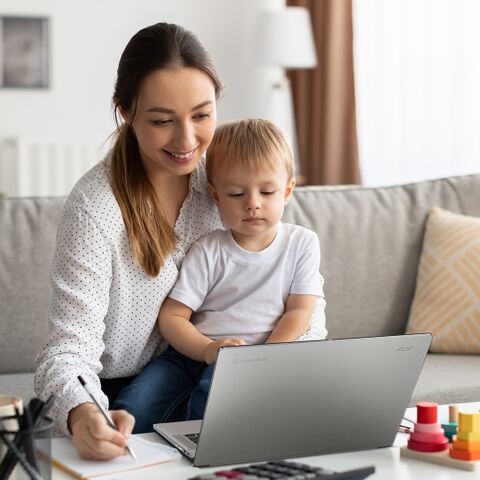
{"type": "Point", "coordinates": [81, 380]}
{"type": "Point", "coordinates": [131, 452]}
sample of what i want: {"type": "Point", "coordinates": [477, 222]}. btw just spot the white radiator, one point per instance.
{"type": "Point", "coordinates": [45, 168]}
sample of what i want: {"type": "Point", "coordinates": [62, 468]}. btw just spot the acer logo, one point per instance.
{"type": "Point", "coordinates": [404, 349]}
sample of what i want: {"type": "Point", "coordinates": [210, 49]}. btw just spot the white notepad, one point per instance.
{"type": "Point", "coordinates": [65, 457]}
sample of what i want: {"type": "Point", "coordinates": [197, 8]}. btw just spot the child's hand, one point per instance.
{"type": "Point", "coordinates": [211, 350]}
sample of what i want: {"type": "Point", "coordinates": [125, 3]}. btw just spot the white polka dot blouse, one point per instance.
{"type": "Point", "coordinates": [104, 306]}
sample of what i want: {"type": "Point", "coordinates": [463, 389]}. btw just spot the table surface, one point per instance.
{"type": "Point", "coordinates": [387, 461]}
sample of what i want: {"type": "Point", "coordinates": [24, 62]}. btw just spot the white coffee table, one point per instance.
{"type": "Point", "coordinates": [387, 461]}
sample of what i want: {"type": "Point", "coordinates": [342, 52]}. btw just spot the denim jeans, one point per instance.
{"type": "Point", "coordinates": [170, 388]}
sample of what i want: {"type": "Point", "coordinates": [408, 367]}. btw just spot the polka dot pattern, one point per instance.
{"type": "Point", "coordinates": [104, 307]}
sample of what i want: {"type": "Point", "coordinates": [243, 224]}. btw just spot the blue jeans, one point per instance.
{"type": "Point", "coordinates": [170, 388]}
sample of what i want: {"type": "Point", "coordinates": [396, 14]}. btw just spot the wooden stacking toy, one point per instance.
{"type": "Point", "coordinates": [427, 445]}
{"type": "Point", "coordinates": [466, 443]}
{"type": "Point", "coordinates": [450, 428]}
{"type": "Point", "coordinates": [428, 434]}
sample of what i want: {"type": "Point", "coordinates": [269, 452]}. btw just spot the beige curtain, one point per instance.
{"type": "Point", "coordinates": [324, 98]}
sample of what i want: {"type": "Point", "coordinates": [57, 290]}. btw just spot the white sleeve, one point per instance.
{"type": "Point", "coordinates": [193, 281]}
{"type": "Point", "coordinates": [307, 279]}
{"type": "Point", "coordinates": [81, 276]}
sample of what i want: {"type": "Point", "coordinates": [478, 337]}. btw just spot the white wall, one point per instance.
{"type": "Point", "coordinates": [87, 38]}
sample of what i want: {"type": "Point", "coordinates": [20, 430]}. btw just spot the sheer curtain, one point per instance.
{"type": "Point", "coordinates": [417, 83]}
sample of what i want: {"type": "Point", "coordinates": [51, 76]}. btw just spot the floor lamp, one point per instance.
{"type": "Point", "coordinates": [285, 40]}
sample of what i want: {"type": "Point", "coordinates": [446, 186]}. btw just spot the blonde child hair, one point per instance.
{"type": "Point", "coordinates": [251, 144]}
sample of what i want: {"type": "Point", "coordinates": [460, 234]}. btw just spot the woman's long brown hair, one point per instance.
{"type": "Point", "coordinates": [159, 46]}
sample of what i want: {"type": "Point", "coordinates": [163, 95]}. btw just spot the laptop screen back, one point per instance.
{"type": "Point", "coordinates": [305, 398]}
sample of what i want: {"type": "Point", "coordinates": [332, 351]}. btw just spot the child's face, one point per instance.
{"type": "Point", "coordinates": [252, 204]}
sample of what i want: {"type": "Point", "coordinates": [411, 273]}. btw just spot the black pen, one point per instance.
{"type": "Point", "coordinates": [104, 413]}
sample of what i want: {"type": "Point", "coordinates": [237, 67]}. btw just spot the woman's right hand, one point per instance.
{"type": "Point", "coordinates": [93, 438]}
{"type": "Point", "coordinates": [211, 350]}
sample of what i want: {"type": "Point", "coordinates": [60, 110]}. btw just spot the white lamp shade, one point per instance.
{"type": "Point", "coordinates": [285, 38]}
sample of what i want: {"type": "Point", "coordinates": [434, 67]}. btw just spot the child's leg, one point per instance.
{"type": "Point", "coordinates": [158, 391]}
{"type": "Point", "coordinates": [198, 399]}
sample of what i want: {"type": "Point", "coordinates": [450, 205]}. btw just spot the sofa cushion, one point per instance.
{"type": "Point", "coordinates": [371, 239]}
{"type": "Point", "coordinates": [27, 238]}
{"type": "Point", "coordinates": [448, 379]}
{"type": "Point", "coordinates": [447, 295]}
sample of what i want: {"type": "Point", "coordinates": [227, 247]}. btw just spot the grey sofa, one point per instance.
{"type": "Point", "coordinates": [371, 242]}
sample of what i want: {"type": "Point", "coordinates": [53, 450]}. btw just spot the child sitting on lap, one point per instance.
{"type": "Point", "coordinates": [257, 282]}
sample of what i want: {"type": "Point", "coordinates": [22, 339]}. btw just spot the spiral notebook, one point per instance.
{"type": "Point", "coordinates": [66, 458]}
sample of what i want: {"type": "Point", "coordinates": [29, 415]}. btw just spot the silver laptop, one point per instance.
{"type": "Point", "coordinates": [285, 400]}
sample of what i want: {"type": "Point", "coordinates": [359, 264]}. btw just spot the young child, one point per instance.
{"type": "Point", "coordinates": [257, 282]}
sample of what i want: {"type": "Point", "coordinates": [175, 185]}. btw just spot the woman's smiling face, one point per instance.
{"type": "Point", "coordinates": [174, 119]}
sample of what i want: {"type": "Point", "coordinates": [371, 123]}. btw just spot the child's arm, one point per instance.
{"type": "Point", "coordinates": [175, 326]}
{"type": "Point", "coordinates": [296, 319]}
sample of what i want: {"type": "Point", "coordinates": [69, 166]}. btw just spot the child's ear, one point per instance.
{"type": "Point", "coordinates": [213, 193]}
{"type": "Point", "coordinates": [289, 189]}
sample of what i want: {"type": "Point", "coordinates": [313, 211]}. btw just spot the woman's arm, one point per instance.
{"type": "Point", "coordinates": [81, 277]}
{"type": "Point", "coordinates": [175, 326]}
{"type": "Point", "coordinates": [81, 266]}
{"type": "Point", "coordinates": [296, 319]}
{"type": "Point", "coordinates": [308, 281]}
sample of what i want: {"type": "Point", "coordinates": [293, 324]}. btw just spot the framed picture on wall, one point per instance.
{"type": "Point", "coordinates": [24, 52]}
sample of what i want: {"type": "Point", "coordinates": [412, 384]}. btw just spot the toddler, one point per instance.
{"type": "Point", "coordinates": [256, 282]}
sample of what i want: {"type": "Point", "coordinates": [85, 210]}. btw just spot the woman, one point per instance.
{"type": "Point", "coordinates": [124, 232]}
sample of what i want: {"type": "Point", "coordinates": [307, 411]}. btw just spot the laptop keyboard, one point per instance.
{"type": "Point", "coordinates": [285, 470]}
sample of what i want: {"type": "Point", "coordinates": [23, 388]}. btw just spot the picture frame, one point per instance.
{"type": "Point", "coordinates": [24, 52]}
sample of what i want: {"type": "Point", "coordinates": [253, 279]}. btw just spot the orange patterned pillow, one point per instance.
{"type": "Point", "coordinates": [447, 294]}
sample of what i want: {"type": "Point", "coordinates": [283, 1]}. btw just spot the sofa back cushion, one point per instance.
{"type": "Point", "coordinates": [370, 238]}
{"type": "Point", "coordinates": [27, 238]}
{"type": "Point", "coordinates": [371, 241]}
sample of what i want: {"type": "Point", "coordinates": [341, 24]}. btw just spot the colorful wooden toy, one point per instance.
{"type": "Point", "coordinates": [469, 422]}
{"type": "Point", "coordinates": [428, 446]}
{"type": "Point", "coordinates": [464, 451]}
{"type": "Point", "coordinates": [428, 435]}
{"type": "Point", "coordinates": [453, 414]}
{"type": "Point", "coordinates": [465, 454]}
{"type": "Point", "coordinates": [466, 443]}
{"type": "Point", "coordinates": [427, 412]}
{"type": "Point", "coordinates": [462, 445]}
{"type": "Point", "coordinates": [428, 428]}
{"type": "Point", "coordinates": [451, 427]}
{"type": "Point", "coordinates": [468, 436]}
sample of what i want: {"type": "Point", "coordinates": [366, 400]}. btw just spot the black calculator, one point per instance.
{"type": "Point", "coordinates": [285, 470]}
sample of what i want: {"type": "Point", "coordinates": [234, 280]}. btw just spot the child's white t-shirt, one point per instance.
{"type": "Point", "coordinates": [237, 293]}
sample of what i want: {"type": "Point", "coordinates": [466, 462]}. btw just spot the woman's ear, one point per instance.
{"type": "Point", "coordinates": [289, 189]}
{"type": "Point", "coordinates": [213, 193]}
